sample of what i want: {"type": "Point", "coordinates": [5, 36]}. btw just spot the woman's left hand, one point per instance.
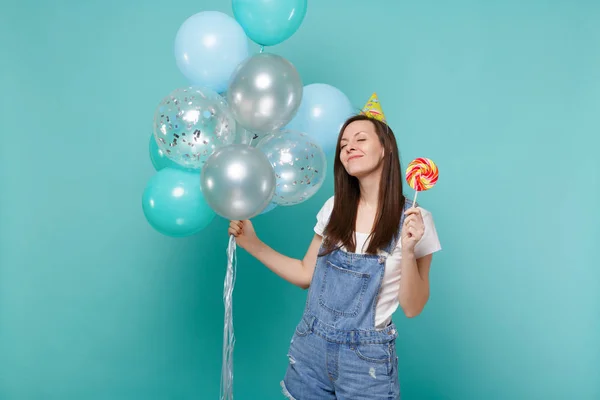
{"type": "Point", "coordinates": [412, 229]}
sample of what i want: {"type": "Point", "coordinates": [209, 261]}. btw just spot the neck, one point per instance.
{"type": "Point", "coordinates": [369, 189]}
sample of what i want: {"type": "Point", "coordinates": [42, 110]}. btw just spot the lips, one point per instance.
{"type": "Point", "coordinates": [353, 157]}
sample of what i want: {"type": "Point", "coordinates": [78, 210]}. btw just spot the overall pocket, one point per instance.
{"type": "Point", "coordinates": [342, 290]}
{"type": "Point", "coordinates": [380, 358]}
{"type": "Point", "coordinates": [377, 353]}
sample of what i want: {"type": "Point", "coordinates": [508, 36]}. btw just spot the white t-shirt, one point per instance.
{"type": "Point", "coordinates": [387, 303]}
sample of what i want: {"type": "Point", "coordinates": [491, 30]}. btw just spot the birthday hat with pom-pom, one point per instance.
{"type": "Point", "coordinates": [373, 109]}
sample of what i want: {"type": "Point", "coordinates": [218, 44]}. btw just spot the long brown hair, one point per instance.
{"type": "Point", "coordinates": [342, 223]}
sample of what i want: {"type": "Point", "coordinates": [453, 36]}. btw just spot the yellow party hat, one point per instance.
{"type": "Point", "coordinates": [373, 109]}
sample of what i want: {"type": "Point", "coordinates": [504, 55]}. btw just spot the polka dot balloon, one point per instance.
{"type": "Point", "coordinates": [190, 123]}
{"type": "Point", "coordinates": [299, 163]}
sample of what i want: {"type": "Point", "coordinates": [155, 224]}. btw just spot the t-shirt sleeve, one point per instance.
{"type": "Point", "coordinates": [430, 242]}
{"type": "Point", "coordinates": [323, 216]}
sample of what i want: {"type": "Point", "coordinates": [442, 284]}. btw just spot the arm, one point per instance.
{"type": "Point", "coordinates": [414, 284]}
{"type": "Point", "coordinates": [297, 272]}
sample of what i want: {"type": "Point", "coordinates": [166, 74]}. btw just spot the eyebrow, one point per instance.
{"type": "Point", "coordinates": [352, 135]}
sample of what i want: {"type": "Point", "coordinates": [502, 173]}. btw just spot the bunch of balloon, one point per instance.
{"type": "Point", "coordinates": [191, 122]}
{"type": "Point", "coordinates": [244, 137]}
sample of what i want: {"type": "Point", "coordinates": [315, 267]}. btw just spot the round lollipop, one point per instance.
{"type": "Point", "coordinates": [421, 175]}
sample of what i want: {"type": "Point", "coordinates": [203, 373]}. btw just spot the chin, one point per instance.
{"type": "Point", "coordinates": [357, 172]}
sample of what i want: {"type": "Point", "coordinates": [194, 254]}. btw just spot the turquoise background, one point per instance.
{"type": "Point", "coordinates": [503, 95]}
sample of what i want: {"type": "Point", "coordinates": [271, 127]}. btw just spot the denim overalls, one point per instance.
{"type": "Point", "coordinates": [336, 352]}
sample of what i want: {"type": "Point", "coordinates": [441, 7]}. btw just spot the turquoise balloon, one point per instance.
{"type": "Point", "coordinates": [159, 158]}
{"type": "Point", "coordinates": [174, 205]}
{"type": "Point", "coordinates": [269, 22]}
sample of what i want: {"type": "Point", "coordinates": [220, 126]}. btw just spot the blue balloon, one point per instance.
{"type": "Point", "coordinates": [174, 205]}
{"type": "Point", "coordinates": [209, 46]}
{"type": "Point", "coordinates": [269, 22]}
{"type": "Point", "coordinates": [159, 158]}
{"type": "Point", "coordinates": [321, 114]}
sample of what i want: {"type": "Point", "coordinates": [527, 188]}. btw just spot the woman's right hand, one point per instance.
{"type": "Point", "coordinates": [244, 233]}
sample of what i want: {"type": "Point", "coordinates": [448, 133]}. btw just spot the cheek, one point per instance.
{"type": "Point", "coordinates": [374, 153]}
{"type": "Point", "coordinates": [343, 162]}
{"type": "Point", "coordinates": [377, 152]}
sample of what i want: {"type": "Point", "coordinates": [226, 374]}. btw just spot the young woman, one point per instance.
{"type": "Point", "coordinates": [367, 237]}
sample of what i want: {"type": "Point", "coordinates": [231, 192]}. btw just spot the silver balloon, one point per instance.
{"type": "Point", "coordinates": [237, 181]}
{"type": "Point", "coordinates": [191, 123]}
{"type": "Point", "coordinates": [264, 92]}
{"type": "Point", "coordinates": [299, 164]}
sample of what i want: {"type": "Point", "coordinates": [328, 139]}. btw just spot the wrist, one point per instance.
{"type": "Point", "coordinates": [408, 253]}
{"type": "Point", "coordinates": [255, 246]}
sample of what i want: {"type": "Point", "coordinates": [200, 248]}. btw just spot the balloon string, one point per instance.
{"type": "Point", "coordinates": [262, 48]}
{"type": "Point", "coordinates": [228, 336]}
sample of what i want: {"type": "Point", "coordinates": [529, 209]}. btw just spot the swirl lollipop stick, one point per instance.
{"type": "Point", "coordinates": [421, 175]}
